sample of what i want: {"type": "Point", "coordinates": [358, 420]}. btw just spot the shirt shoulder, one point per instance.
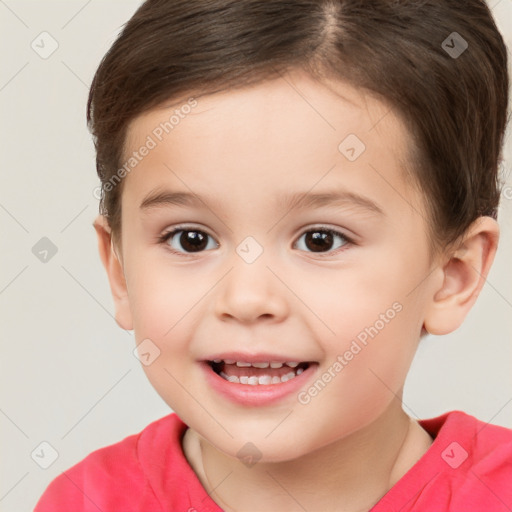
{"type": "Point", "coordinates": [468, 467]}
{"type": "Point", "coordinates": [473, 445]}
{"type": "Point", "coordinates": [113, 478]}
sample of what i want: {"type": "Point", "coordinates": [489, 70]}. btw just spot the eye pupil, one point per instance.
{"type": "Point", "coordinates": [193, 240]}
{"type": "Point", "coordinates": [319, 239]}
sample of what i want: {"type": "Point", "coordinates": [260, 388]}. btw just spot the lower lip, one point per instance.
{"type": "Point", "coordinates": [259, 394]}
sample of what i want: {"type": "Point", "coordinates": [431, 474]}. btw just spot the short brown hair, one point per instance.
{"type": "Point", "coordinates": [453, 105]}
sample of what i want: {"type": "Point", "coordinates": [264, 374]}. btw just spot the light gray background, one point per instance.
{"type": "Point", "coordinates": [68, 374]}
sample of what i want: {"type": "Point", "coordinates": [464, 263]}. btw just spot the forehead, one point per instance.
{"type": "Point", "coordinates": [268, 138]}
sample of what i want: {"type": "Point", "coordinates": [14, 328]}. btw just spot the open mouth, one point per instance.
{"type": "Point", "coordinates": [261, 373]}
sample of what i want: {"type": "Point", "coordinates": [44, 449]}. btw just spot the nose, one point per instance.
{"type": "Point", "coordinates": [251, 292]}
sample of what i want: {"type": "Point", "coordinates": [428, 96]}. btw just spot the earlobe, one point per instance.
{"type": "Point", "coordinates": [114, 268]}
{"type": "Point", "coordinates": [463, 276]}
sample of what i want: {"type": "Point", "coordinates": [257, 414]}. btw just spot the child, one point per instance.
{"type": "Point", "coordinates": [234, 138]}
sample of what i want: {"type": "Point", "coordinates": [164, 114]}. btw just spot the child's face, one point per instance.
{"type": "Point", "coordinates": [360, 304]}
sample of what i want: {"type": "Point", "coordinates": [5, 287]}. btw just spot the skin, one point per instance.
{"type": "Point", "coordinates": [246, 149]}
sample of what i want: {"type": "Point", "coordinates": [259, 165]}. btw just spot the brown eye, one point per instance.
{"type": "Point", "coordinates": [322, 240]}
{"type": "Point", "coordinates": [190, 240]}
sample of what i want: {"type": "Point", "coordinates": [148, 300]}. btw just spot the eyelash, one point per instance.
{"type": "Point", "coordinates": [165, 237]}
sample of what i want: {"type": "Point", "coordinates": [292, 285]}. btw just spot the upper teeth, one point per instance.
{"type": "Point", "coordinates": [262, 380]}
{"type": "Point", "coordinates": [266, 364]}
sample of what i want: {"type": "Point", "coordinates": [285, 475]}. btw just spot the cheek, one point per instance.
{"type": "Point", "coordinates": [161, 297]}
{"type": "Point", "coordinates": [362, 377]}
{"type": "Point", "coordinates": [374, 322]}
{"type": "Point", "coordinates": [354, 299]}
{"type": "Point", "coordinates": [162, 305]}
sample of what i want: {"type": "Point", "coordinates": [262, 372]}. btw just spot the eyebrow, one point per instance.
{"type": "Point", "coordinates": [296, 201]}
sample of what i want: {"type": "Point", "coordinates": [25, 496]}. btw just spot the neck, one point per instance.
{"type": "Point", "coordinates": [350, 475]}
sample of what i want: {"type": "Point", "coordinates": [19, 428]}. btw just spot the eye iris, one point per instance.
{"type": "Point", "coordinates": [193, 240]}
{"type": "Point", "coordinates": [319, 239]}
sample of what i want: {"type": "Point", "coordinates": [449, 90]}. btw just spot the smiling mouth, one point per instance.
{"type": "Point", "coordinates": [254, 374]}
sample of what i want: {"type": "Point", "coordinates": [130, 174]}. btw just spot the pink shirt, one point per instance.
{"type": "Point", "coordinates": [467, 468]}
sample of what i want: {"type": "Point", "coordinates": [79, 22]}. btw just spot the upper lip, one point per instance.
{"type": "Point", "coordinates": [256, 358]}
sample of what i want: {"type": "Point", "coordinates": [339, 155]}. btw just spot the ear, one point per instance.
{"type": "Point", "coordinates": [464, 272]}
{"type": "Point", "coordinates": [115, 273]}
